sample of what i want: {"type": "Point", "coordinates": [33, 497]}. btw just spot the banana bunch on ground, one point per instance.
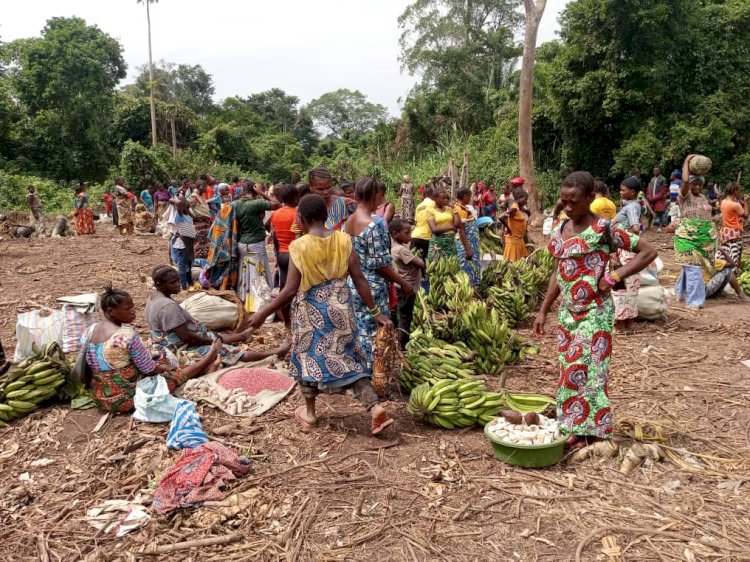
{"type": "Point", "coordinates": [454, 404]}
{"type": "Point", "coordinates": [490, 242]}
{"type": "Point", "coordinates": [744, 265]}
{"type": "Point", "coordinates": [744, 281]}
{"type": "Point", "coordinates": [511, 304]}
{"type": "Point", "coordinates": [428, 358]}
{"type": "Point", "coordinates": [32, 381]}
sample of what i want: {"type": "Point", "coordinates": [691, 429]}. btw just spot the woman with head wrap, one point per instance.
{"type": "Point", "coordinates": [694, 240]}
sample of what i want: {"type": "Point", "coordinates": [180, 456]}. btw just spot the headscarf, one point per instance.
{"type": "Point", "coordinates": [693, 178]}
{"type": "Point", "coordinates": [517, 182]}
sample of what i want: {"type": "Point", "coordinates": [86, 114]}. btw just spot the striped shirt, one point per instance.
{"type": "Point", "coordinates": [186, 228]}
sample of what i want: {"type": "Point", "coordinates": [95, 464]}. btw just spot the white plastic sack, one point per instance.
{"type": "Point", "coordinates": [652, 303]}
{"type": "Point", "coordinates": [258, 295]}
{"type": "Point", "coordinates": [215, 312]}
{"type": "Point", "coordinates": [153, 402]}
{"type": "Point", "coordinates": [37, 326]}
{"type": "Point", "coordinates": [650, 275]}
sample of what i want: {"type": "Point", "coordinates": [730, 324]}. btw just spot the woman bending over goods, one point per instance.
{"type": "Point", "coordinates": [581, 245]}
{"type": "Point", "coordinates": [173, 328]}
{"type": "Point", "coordinates": [372, 245]}
{"type": "Point", "coordinates": [118, 359]}
{"type": "Point", "coordinates": [326, 352]}
{"type": "Point", "coordinates": [629, 219]}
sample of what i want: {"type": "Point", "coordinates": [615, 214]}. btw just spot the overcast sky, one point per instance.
{"type": "Point", "coordinates": [305, 47]}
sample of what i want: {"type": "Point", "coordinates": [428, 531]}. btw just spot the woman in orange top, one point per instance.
{"type": "Point", "coordinates": [734, 209]}
{"type": "Point", "coordinates": [515, 221]}
{"type": "Point", "coordinates": [281, 222]}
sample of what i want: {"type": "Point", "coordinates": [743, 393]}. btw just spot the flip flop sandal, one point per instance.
{"type": "Point", "coordinates": [306, 425]}
{"type": "Point", "coordinates": [380, 423]}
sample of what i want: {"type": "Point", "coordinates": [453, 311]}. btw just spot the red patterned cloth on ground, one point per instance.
{"type": "Point", "coordinates": [198, 476]}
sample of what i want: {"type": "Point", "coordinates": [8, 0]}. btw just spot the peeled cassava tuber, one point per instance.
{"type": "Point", "coordinates": [511, 416]}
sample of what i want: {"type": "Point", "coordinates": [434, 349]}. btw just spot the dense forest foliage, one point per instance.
{"type": "Point", "coordinates": [629, 84]}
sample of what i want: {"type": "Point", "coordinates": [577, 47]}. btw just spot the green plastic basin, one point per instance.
{"type": "Point", "coordinates": [527, 456]}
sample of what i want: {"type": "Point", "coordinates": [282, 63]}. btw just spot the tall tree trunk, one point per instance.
{"type": "Point", "coordinates": [174, 134]}
{"type": "Point", "coordinates": [151, 78]}
{"type": "Point", "coordinates": [534, 12]}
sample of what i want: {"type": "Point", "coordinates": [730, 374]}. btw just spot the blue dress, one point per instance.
{"type": "Point", "coordinates": [373, 248]}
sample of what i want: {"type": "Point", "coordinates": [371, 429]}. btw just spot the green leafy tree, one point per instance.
{"type": "Point", "coordinates": [64, 82]}
{"type": "Point", "coordinates": [346, 110]}
{"type": "Point", "coordinates": [188, 85]}
{"type": "Point", "coordinates": [463, 50]}
{"type": "Point", "coordinates": [281, 112]}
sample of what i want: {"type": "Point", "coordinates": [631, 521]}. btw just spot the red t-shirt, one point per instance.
{"type": "Point", "coordinates": [282, 221]}
{"type": "Point", "coordinates": [209, 192]}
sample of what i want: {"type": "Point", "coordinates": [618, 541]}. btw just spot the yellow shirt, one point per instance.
{"type": "Point", "coordinates": [442, 218]}
{"type": "Point", "coordinates": [604, 207]}
{"type": "Point", "coordinates": [321, 259]}
{"type": "Point", "coordinates": [422, 230]}
{"type": "Point", "coordinates": [464, 213]}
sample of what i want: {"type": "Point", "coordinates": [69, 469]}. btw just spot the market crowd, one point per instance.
{"type": "Point", "coordinates": [347, 262]}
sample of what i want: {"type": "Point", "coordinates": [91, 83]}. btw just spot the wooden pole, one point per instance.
{"type": "Point", "coordinates": [174, 134]}
{"type": "Point", "coordinates": [151, 78]}
{"type": "Point", "coordinates": [464, 182]}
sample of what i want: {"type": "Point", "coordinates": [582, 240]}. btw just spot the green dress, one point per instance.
{"type": "Point", "coordinates": [585, 321]}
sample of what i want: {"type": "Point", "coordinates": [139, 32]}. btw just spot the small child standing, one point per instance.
{"type": "Point", "coordinates": [410, 267]}
{"type": "Point", "coordinates": [183, 242]}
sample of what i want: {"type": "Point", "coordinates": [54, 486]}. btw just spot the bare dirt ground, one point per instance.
{"type": "Point", "coordinates": [418, 493]}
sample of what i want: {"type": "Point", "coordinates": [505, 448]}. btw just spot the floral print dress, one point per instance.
{"type": "Point", "coordinates": [585, 321]}
{"type": "Point", "coordinates": [118, 364]}
{"type": "Point", "coordinates": [373, 248]}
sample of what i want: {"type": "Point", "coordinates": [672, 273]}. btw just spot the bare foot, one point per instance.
{"type": "Point", "coordinates": [743, 298]}
{"type": "Point", "coordinates": [213, 353]}
{"type": "Point", "coordinates": [380, 419]}
{"type": "Point", "coordinates": [306, 421]}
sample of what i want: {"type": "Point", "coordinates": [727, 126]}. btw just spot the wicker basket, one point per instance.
{"type": "Point", "coordinates": [700, 165]}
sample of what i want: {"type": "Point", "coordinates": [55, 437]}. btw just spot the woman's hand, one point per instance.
{"type": "Point", "coordinates": [255, 322]}
{"type": "Point", "coordinates": [539, 321]}
{"type": "Point", "coordinates": [383, 321]}
{"type": "Point", "coordinates": [604, 287]}
{"type": "Point", "coordinates": [469, 255]}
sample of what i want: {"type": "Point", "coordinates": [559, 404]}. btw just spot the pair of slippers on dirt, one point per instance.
{"type": "Point", "coordinates": [378, 424]}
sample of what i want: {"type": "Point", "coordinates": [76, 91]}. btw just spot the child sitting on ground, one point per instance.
{"type": "Point", "coordinates": [410, 267]}
{"type": "Point", "coordinates": [326, 352]}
